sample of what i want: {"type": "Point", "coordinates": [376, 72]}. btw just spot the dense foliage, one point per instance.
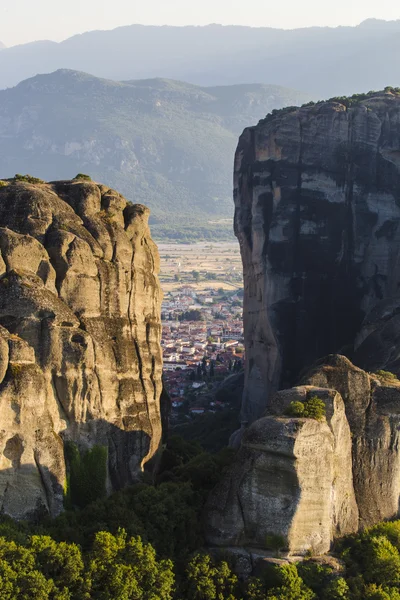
{"type": "Point", "coordinates": [192, 315]}
{"type": "Point", "coordinates": [145, 543]}
{"type": "Point", "coordinates": [86, 480]}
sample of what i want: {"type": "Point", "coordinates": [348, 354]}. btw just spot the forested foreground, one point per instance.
{"type": "Point", "coordinates": [145, 543]}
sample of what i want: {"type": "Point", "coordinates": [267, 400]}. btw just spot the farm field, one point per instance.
{"type": "Point", "coordinates": [203, 265]}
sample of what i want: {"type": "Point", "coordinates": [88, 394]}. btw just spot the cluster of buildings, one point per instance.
{"type": "Point", "coordinates": [202, 342]}
{"type": "Point", "coordinates": [211, 303]}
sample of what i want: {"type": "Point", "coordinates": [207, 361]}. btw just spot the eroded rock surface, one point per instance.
{"type": "Point", "coordinates": [317, 213]}
{"type": "Point", "coordinates": [292, 478]}
{"type": "Point", "coordinates": [373, 412]}
{"type": "Point", "coordinates": [80, 355]}
{"type": "Point", "coordinates": [309, 482]}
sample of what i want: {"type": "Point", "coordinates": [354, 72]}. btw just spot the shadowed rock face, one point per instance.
{"type": "Point", "coordinates": [317, 213]}
{"type": "Point", "coordinates": [80, 355]}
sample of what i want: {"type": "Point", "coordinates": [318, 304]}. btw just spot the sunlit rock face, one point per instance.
{"type": "Point", "coordinates": [317, 212]}
{"type": "Point", "coordinates": [80, 354]}
{"type": "Point", "coordinates": [302, 483]}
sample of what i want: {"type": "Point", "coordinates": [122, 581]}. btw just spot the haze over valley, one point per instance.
{"type": "Point", "coordinates": [321, 61]}
{"type": "Point", "coordinates": [163, 143]}
{"type": "Point", "coordinates": [199, 301]}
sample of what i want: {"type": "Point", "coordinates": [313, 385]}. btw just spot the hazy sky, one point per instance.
{"type": "Point", "coordinates": [28, 20]}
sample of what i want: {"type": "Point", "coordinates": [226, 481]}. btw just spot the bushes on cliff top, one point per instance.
{"type": "Point", "coordinates": [27, 178]}
{"type": "Point", "coordinates": [313, 408]}
{"type": "Point", "coordinates": [386, 376]}
{"type": "Point", "coordinates": [83, 177]}
{"type": "Point", "coordinates": [348, 101]}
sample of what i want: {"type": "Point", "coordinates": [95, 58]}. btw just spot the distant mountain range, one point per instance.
{"type": "Point", "coordinates": [163, 143]}
{"type": "Point", "coordinates": [321, 61]}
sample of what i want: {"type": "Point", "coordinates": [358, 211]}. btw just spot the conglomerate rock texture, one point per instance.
{"type": "Point", "coordinates": [317, 213]}
{"type": "Point", "coordinates": [80, 355]}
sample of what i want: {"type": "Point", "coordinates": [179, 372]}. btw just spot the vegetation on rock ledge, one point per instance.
{"type": "Point", "coordinates": [27, 178]}
{"type": "Point", "coordinates": [83, 177]}
{"type": "Point", "coordinates": [386, 376]}
{"type": "Point", "coordinates": [313, 408]}
{"type": "Point", "coordinates": [347, 101]}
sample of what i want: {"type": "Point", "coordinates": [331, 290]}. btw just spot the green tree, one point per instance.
{"type": "Point", "coordinates": [212, 368]}
{"type": "Point", "coordinates": [337, 589]}
{"type": "Point", "coordinates": [295, 409]}
{"type": "Point", "coordinates": [291, 586]}
{"type": "Point", "coordinates": [19, 577]}
{"type": "Point", "coordinates": [389, 529]}
{"type": "Point", "coordinates": [255, 589]}
{"type": "Point", "coordinates": [60, 562]}
{"type": "Point", "coordinates": [208, 580]}
{"type": "Point", "coordinates": [382, 561]}
{"type": "Point", "coordinates": [374, 592]}
{"type": "Point", "coordinates": [87, 475]}
{"type": "Point", "coordinates": [83, 177]}
{"type": "Point", "coordinates": [124, 569]}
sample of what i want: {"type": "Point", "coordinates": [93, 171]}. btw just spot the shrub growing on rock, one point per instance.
{"type": "Point", "coordinates": [313, 408]}
{"type": "Point", "coordinates": [83, 177]}
{"type": "Point", "coordinates": [386, 376]}
{"type": "Point", "coordinates": [27, 178]}
{"type": "Point", "coordinates": [295, 409]}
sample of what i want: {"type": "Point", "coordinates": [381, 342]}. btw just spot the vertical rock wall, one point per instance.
{"type": "Point", "coordinates": [317, 213]}
{"type": "Point", "coordinates": [80, 354]}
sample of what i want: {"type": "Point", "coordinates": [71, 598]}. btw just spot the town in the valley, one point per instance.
{"type": "Point", "coordinates": [202, 336]}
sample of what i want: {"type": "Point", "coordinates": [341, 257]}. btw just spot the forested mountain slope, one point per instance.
{"type": "Point", "coordinates": [165, 143]}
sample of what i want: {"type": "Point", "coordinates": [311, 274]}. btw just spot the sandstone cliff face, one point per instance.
{"type": "Point", "coordinates": [311, 482]}
{"type": "Point", "coordinates": [317, 213]}
{"type": "Point", "coordinates": [373, 413]}
{"type": "Point", "coordinates": [292, 478]}
{"type": "Point", "coordinates": [80, 356]}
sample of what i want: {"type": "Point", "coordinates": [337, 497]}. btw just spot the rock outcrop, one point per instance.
{"type": "Point", "coordinates": [372, 406]}
{"type": "Point", "coordinates": [80, 355]}
{"type": "Point", "coordinates": [308, 482]}
{"type": "Point", "coordinates": [317, 216]}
